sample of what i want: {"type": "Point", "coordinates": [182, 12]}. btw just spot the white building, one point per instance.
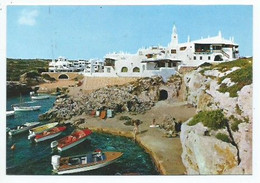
{"type": "Point", "coordinates": [165, 61]}
{"type": "Point", "coordinates": [64, 65]}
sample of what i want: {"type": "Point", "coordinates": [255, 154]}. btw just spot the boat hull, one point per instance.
{"type": "Point", "coordinates": [47, 137]}
{"type": "Point", "coordinates": [72, 145]}
{"type": "Point", "coordinates": [43, 128]}
{"type": "Point", "coordinates": [39, 97]}
{"type": "Point", "coordinates": [109, 158]}
{"type": "Point", "coordinates": [24, 129]}
{"type": "Point", "coordinates": [9, 113]}
{"type": "Point", "coordinates": [84, 169]}
{"type": "Point", "coordinates": [25, 109]}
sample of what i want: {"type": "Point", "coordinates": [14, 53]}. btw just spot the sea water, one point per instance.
{"type": "Point", "coordinates": [31, 158]}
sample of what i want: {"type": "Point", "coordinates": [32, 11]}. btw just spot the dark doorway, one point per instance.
{"type": "Point", "coordinates": [63, 76]}
{"type": "Point", "coordinates": [218, 58]}
{"type": "Point", "coordinates": [163, 95]}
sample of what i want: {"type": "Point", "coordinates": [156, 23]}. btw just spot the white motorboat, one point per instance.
{"type": "Point", "coordinates": [26, 108]}
{"type": "Point", "coordinates": [39, 97]}
{"type": "Point", "coordinates": [9, 113]}
{"type": "Point", "coordinates": [82, 163]}
{"type": "Point", "coordinates": [22, 128]}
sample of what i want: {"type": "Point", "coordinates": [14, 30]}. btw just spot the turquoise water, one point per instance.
{"type": "Point", "coordinates": [35, 159]}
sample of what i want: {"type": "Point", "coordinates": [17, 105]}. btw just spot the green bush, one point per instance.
{"type": "Point", "coordinates": [32, 74]}
{"type": "Point", "coordinates": [212, 119]}
{"type": "Point", "coordinates": [17, 67]}
{"type": "Point", "coordinates": [240, 77]}
{"type": "Point", "coordinates": [125, 118]}
{"type": "Point", "coordinates": [223, 137]}
{"type": "Point", "coordinates": [235, 123]}
{"type": "Point", "coordinates": [48, 77]}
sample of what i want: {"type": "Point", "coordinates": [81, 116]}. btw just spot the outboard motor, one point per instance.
{"type": "Point", "coordinates": [31, 136]}
{"type": "Point", "coordinates": [54, 144]}
{"type": "Point", "coordinates": [55, 161]}
{"type": "Point", "coordinates": [32, 93]}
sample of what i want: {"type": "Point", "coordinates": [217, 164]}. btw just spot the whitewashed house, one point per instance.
{"type": "Point", "coordinates": [165, 61]}
{"type": "Point", "coordinates": [64, 65]}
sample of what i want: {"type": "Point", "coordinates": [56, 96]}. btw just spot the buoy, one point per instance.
{"type": "Point", "coordinates": [13, 147]}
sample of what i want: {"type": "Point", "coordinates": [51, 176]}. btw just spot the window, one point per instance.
{"type": "Point", "coordinates": [208, 57]}
{"type": "Point", "coordinates": [108, 70]}
{"type": "Point", "coordinates": [173, 51]}
{"type": "Point", "coordinates": [169, 64]}
{"type": "Point", "coordinates": [194, 58]}
{"type": "Point", "coordinates": [183, 48]}
{"type": "Point", "coordinates": [200, 57]}
{"type": "Point", "coordinates": [136, 69]}
{"type": "Point", "coordinates": [124, 69]}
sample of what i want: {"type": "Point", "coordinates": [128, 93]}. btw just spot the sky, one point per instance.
{"type": "Point", "coordinates": [84, 32]}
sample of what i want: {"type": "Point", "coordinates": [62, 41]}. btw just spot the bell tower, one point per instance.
{"type": "Point", "coordinates": [174, 38]}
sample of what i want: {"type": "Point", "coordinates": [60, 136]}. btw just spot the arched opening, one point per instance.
{"type": "Point", "coordinates": [136, 69]}
{"type": "Point", "coordinates": [63, 76]}
{"type": "Point", "coordinates": [218, 58]}
{"type": "Point", "coordinates": [124, 69]}
{"type": "Point", "coordinates": [163, 95]}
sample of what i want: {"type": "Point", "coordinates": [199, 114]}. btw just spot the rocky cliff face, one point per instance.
{"type": "Point", "coordinates": [16, 88]}
{"type": "Point", "coordinates": [136, 97]}
{"type": "Point", "coordinates": [31, 78]}
{"type": "Point", "coordinates": [203, 153]}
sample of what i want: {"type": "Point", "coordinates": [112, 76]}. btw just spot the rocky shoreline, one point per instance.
{"type": "Point", "coordinates": [15, 88]}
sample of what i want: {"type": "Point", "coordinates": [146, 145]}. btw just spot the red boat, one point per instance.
{"type": "Point", "coordinates": [49, 134]}
{"type": "Point", "coordinates": [71, 140]}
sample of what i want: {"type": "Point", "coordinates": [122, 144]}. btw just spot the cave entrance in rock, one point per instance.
{"type": "Point", "coordinates": [63, 76]}
{"type": "Point", "coordinates": [163, 95]}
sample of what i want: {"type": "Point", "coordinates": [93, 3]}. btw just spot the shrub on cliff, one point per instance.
{"type": "Point", "coordinates": [223, 137]}
{"type": "Point", "coordinates": [212, 119]}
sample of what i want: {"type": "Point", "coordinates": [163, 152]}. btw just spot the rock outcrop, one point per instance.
{"type": "Point", "coordinates": [203, 153]}
{"type": "Point", "coordinates": [31, 78]}
{"type": "Point", "coordinates": [206, 154]}
{"type": "Point", "coordinates": [15, 88]}
{"type": "Point", "coordinates": [136, 97]}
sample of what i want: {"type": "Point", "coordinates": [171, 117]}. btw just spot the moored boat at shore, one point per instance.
{"type": "Point", "coordinates": [39, 97]}
{"type": "Point", "coordinates": [72, 140]}
{"type": "Point", "coordinates": [26, 108]}
{"type": "Point", "coordinates": [22, 128]}
{"type": "Point", "coordinates": [37, 130]}
{"type": "Point", "coordinates": [82, 163]}
{"type": "Point", "coordinates": [49, 134]}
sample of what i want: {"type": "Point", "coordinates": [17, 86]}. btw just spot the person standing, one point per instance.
{"type": "Point", "coordinates": [136, 129]}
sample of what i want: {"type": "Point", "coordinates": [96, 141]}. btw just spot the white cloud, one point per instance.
{"type": "Point", "coordinates": [28, 17]}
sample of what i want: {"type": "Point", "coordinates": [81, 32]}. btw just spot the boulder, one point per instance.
{"type": "Point", "coordinates": [205, 154]}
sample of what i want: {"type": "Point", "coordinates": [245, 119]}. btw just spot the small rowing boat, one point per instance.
{"type": "Point", "coordinates": [37, 130]}
{"type": "Point", "coordinates": [71, 140]}
{"type": "Point", "coordinates": [9, 113]}
{"type": "Point", "coordinates": [82, 163]}
{"type": "Point", "coordinates": [22, 128]}
{"type": "Point", "coordinates": [39, 97]}
{"type": "Point", "coordinates": [26, 108]}
{"type": "Point", "coordinates": [49, 134]}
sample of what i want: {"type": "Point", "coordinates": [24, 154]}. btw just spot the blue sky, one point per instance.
{"type": "Point", "coordinates": [83, 32]}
